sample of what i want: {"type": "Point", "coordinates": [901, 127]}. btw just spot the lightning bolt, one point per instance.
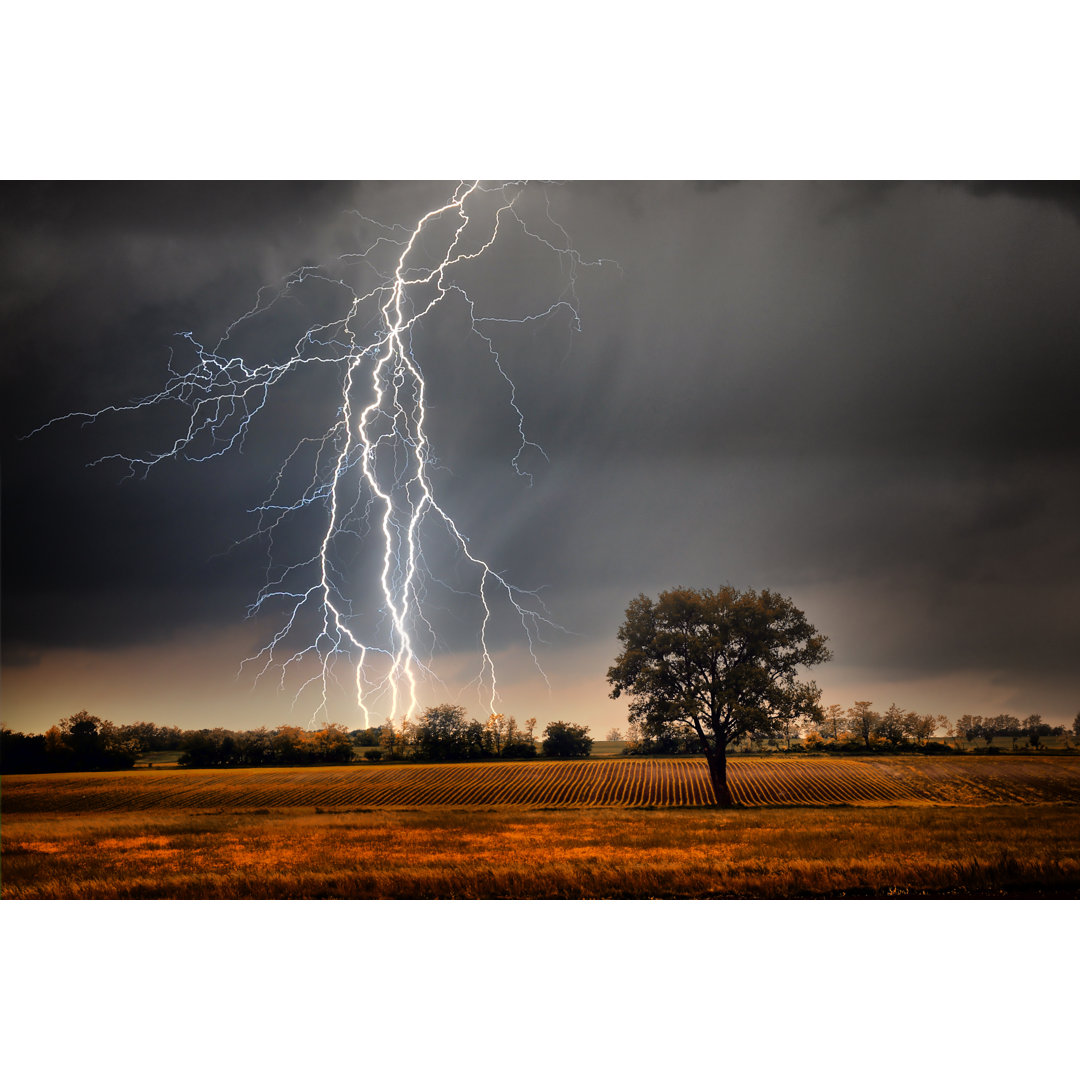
{"type": "Point", "coordinates": [373, 470]}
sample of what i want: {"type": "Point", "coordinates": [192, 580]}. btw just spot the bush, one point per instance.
{"type": "Point", "coordinates": [372, 755]}
{"type": "Point", "coordinates": [564, 740]}
{"type": "Point", "coordinates": [937, 748]}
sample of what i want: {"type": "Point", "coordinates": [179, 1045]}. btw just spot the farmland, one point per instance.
{"type": "Point", "coordinates": [899, 826]}
{"type": "Point", "coordinates": [588, 783]}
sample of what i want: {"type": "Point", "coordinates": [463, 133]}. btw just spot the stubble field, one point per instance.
{"type": "Point", "coordinates": [816, 827]}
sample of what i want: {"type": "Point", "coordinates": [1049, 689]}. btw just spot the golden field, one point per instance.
{"type": "Point", "coordinates": [898, 827]}
{"type": "Point", "coordinates": [778, 852]}
{"type": "Point", "coordinates": [766, 781]}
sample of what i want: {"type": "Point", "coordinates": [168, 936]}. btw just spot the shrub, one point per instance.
{"type": "Point", "coordinates": [936, 748]}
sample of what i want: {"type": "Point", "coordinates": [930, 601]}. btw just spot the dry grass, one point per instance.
{"type": "Point", "coordinates": [999, 850]}
{"type": "Point", "coordinates": [1007, 828]}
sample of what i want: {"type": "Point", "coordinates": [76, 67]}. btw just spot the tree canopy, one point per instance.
{"type": "Point", "coordinates": [723, 663]}
{"type": "Point", "coordinates": [565, 740]}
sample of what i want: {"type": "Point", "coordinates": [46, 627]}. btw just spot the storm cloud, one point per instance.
{"type": "Point", "coordinates": [862, 395]}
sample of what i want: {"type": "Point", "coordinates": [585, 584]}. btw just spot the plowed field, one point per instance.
{"type": "Point", "coordinates": [590, 783]}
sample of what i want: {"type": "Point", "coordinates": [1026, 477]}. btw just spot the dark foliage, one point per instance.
{"type": "Point", "coordinates": [77, 743]}
{"type": "Point", "coordinates": [720, 664]}
{"type": "Point", "coordinates": [364, 736]}
{"type": "Point", "coordinates": [285, 745]}
{"type": "Point", "coordinates": [565, 740]}
{"type": "Point", "coordinates": [21, 753]}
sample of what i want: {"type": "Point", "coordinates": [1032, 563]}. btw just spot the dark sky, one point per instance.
{"type": "Point", "coordinates": [862, 395]}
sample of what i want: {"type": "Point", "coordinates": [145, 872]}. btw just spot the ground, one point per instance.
{"type": "Point", "coordinates": [903, 826]}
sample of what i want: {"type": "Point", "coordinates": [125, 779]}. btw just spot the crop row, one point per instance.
{"type": "Point", "coordinates": [625, 783]}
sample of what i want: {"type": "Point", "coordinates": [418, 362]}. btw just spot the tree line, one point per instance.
{"type": "Point", "coordinates": [83, 742]}
{"type": "Point", "coordinates": [443, 733]}
{"type": "Point", "coordinates": [440, 733]}
{"type": "Point", "coordinates": [989, 728]}
{"type": "Point", "coordinates": [896, 727]}
{"type": "Point", "coordinates": [858, 727]}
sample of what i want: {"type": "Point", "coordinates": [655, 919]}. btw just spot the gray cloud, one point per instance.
{"type": "Point", "coordinates": [863, 392]}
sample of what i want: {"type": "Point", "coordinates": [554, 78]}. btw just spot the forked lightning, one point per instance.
{"type": "Point", "coordinates": [373, 467]}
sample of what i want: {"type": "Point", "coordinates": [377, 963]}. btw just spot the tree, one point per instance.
{"type": "Point", "coordinates": [894, 725]}
{"type": "Point", "coordinates": [862, 722]}
{"type": "Point", "coordinates": [23, 753]}
{"type": "Point", "coordinates": [441, 733]}
{"type": "Point", "coordinates": [365, 736]}
{"type": "Point", "coordinates": [831, 721]}
{"type": "Point", "coordinates": [614, 735]}
{"type": "Point", "coordinates": [1004, 725]}
{"type": "Point", "coordinates": [496, 729]}
{"type": "Point", "coordinates": [563, 739]}
{"type": "Point", "coordinates": [330, 743]}
{"type": "Point", "coordinates": [721, 663]}
{"type": "Point", "coordinates": [389, 739]}
{"type": "Point", "coordinates": [83, 741]}
{"type": "Point", "coordinates": [926, 724]}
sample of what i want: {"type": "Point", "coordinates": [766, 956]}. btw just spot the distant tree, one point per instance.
{"type": "Point", "coordinates": [144, 736]}
{"type": "Point", "coordinates": [23, 753]}
{"type": "Point", "coordinates": [365, 736]}
{"type": "Point", "coordinates": [475, 739]}
{"type": "Point", "coordinates": [1036, 729]}
{"type": "Point", "coordinates": [1010, 726]}
{"type": "Point", "coordinates": [789, 725]}
{"type": "Point", "coordinates": [614, 735]}
{"type": "Point", "coordinates": [832, 721]}
{"type": "Point", "coordinates": [719, 664]}
{"type": "Point", "coordinates": [1003, 726]}
{"type": "Point", "coordinates": [862, 722]}
{"type": "Point", "coordinates": [519, 743]}
{"type": "Point", "coordinates": [83, 741]}
{"type": "Point", "coordinates": [1076, 726]}
{"type": "Point", "coordinates": [285, 745]}
{"type": "Point", "coordinates": [441, 733]}
{"type": "Point", "coordinates": [969, 726]}
{"type": "Point", "coordinates": [82, 735]}
{"type": "Point", "coordinates": [923, 726]}
{"type": "Point", "coordinates": [255, 748]}
{"type": "Point", "coordinates": [566, 740]}
{"type": "Point", "coordinates": [499, 732]}
{"type": "Point", "coordinates": [202, 749]}
{"type": "Point", "coordinates": [893, 726]}
{"type": "Point", "coordinates": [329, 744]}
{"type": "Point", "coordinates": [388, 738]}
{"type": "Point", "coordinates": [665, 740]}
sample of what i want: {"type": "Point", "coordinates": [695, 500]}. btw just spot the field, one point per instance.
{"type": "Point", "coordinates": [768, 781]}
{"type": "Point", "coordinates": [902, 826]}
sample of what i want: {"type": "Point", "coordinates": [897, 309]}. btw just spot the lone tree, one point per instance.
{"type": "Point", "coordinates": [723, 663]}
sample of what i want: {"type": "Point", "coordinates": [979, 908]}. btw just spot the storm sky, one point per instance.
{"type": "Point", "coordinates": [861, 395]}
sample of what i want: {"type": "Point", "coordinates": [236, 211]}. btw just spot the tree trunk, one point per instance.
{"type": "Point", "coordinates": [718, 776]}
